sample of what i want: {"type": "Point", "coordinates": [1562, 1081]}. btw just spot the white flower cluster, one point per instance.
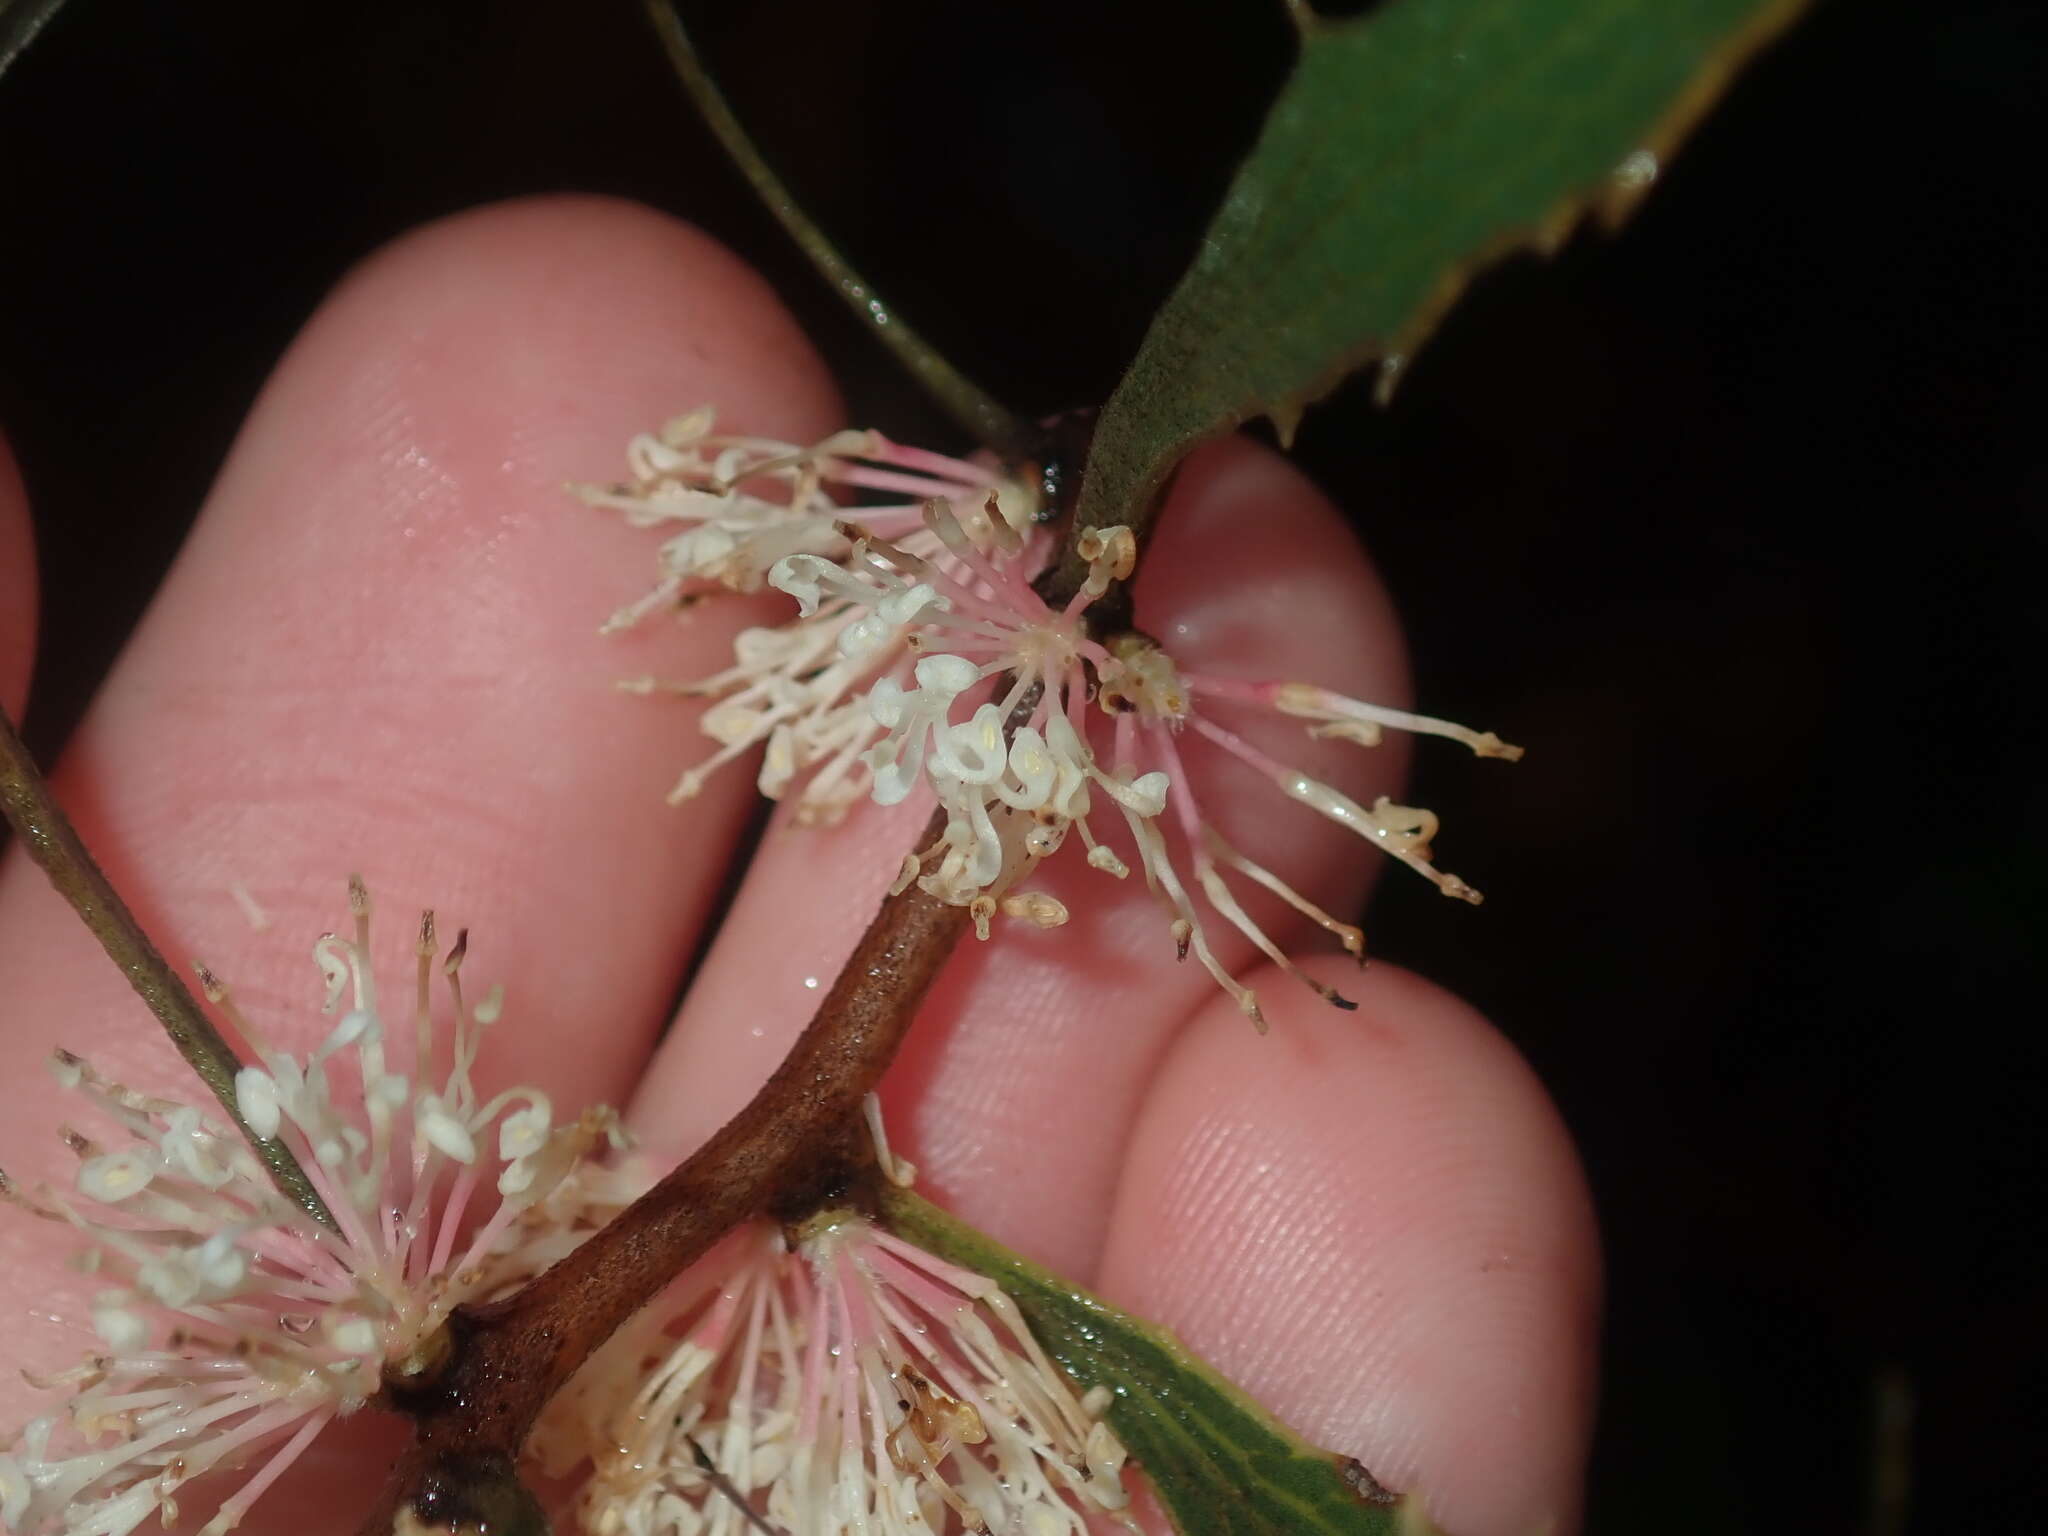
{"type": "Point", "coordinates": [233, 1324]}
{"type": "Point", "coordinates": [885, 682]}
{"type": "Point", "coordinates": [1015, 774]}
{"type": "Point", "coordinates": [835, 1380]}
{"type": "Point", "coordinates": [842, 1381]}
{"type": "Point", "coordinates": [747, 503]}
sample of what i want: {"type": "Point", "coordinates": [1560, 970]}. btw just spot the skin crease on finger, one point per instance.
{"type": "Point", "coordinates": [379, 652]}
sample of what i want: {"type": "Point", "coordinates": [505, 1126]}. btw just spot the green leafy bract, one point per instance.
{"type": "Point", "coordinates": [1411, 147]}
{"type": "Point", "coordinates": [1220, 1464]}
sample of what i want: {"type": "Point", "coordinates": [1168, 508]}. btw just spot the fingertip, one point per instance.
{"type": "Point", "coordinates": [1376, 1223]}
{"type": "Point", "coordinates": [599, 281]}
{"type": "Point", "coordinates": [465, 371]}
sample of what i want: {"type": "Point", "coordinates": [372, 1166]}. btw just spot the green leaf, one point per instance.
{"type": "Point", "coordinates": [1410, 148]}
{"type": "Point", "coordinates": [20, 21]}
{"type": "Point", "coordinates": [1221, 1465]}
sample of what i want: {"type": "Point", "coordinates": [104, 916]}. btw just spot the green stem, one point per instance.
{"type": "Point", "coordinates": [19, 24]}
{"type": "Point", "coordinates": [974, 408]}
{"type": "Point", "coordinates": [50, 839]}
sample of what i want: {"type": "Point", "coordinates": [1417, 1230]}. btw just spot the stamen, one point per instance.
{"type": "Point", "coordinates": [846, 703]}
{"type": "Point", "coordinates": [265, 1323]}
{"type": "Point", "coordinates": [850, 1382]}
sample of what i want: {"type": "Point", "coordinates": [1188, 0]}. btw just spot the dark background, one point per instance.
{"type": "Point", "coordinates": [1734, 520]}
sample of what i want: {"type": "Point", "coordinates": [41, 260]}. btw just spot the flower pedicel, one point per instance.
{"type": "Point", "coordinates": [234, 1327]}
{"type": "Point", "coordinates": [905, 616]}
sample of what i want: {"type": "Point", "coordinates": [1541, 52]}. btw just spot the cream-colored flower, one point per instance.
{"type": "Point", "coordinates": [1154, 703]}
{"type": "Point", "coordinates": [798, 691]}
{"type": "Point", "coordinates": [885, 684]}
{"type": "Point", "coordinates": [746, 502]}
{"type": "Point", "coordinates": [1014, 773]}
{"type": "Point", "coordinates": [234, 1326]}
{"type": "Point", "coordinates": [838, 1380]}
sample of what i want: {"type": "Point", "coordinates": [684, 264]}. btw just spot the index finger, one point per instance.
{"type": "Point", "coordinates": [378, 652]}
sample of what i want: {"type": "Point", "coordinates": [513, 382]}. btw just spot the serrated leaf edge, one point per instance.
{"type": "Point", "coordinates": [1611, 200]}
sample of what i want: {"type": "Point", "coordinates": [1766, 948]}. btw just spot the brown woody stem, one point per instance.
{"type": "Point", "coordinates": [49, 838]}
{"type": "Point", "coordinates": [796, 1145]}
{"type": "Point", "coordinates": [790, 1147]}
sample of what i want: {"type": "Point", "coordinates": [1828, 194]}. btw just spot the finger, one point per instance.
{"type": "Point", "coordinates": [17, 588]}
{"type": "Point", "coordinates": [379, 647]}
{"type": "Point", "coordinates": [1016, 1087]}
{"type": "Point", "coordinates": [379, 652]}
{"type": "Point", "coordinates": [1376, 1224]}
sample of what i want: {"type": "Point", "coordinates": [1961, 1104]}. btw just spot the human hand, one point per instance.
{"type": "Point", "coordinates": [378, 652]}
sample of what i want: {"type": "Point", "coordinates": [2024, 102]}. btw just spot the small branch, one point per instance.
{"type": "Point", "coordinates": [50, 839]}
{"type": "Point", "coordinates": [970, 405]}
{"type": "Point", "coordinates": [789, 1148]}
